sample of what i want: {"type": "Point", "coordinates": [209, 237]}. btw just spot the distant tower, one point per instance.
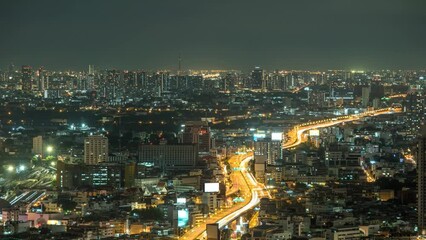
{"type": "Point", "coordinates": [365, 96]}
{"type": "Point", "coordinates": [27, 78]}
{"type": "Point", "coordinates": [40, 79]}
{"type": "Point", "coordinates": [415, 108]}
{"type": "Point", "coordinates": [180, 65]}
{"type": "Point", "coordinates": [91, 70]}
{"type": "Point", "coordinates": [257, 78]}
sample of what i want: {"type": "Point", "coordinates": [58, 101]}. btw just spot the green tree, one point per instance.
{"type": "Point", "coordinates": [148, 214]}
{"type": "Point", "coordinates": [50, 158]}
{"type": "Point", "coordinates": [67, 205]}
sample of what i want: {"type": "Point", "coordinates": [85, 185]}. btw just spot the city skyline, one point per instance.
{"type": "Point", "coordinates": [213, 120]}
{"type": "Point", "coordinates": [247, 70]}
{"type": "Point", "coordinates": [238, 35]}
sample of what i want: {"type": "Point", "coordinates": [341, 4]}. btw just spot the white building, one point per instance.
{"type": "Point", "coordinates": [37, 145]}
{"type": "Point", "coordinates": [344, 233]}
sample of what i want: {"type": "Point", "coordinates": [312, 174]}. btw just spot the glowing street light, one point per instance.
{"type": "Point", "coordinates": [49, 149]}
{"type": "Point", "coordinates": [22, 168]}
{"type": "Point", "coordinates": [10, 168]}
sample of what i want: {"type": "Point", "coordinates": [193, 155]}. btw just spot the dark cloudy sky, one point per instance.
{"type": "Point", "coordinates": [231, 34]}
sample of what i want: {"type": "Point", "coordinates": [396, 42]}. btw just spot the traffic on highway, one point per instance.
{"type": "Point", "coordinates": [249, 186]}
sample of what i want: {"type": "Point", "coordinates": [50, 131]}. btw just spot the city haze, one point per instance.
{"type": "Point", "coordinates": [384, 34]}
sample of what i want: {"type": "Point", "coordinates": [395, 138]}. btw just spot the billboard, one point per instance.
{"type": "Point", "coordinates": [211, 187]}
{"type": "Point", "coordinates": [277, 136]}
{"type": "Point", "coordinates": [314, 133]}
{"type": "Point", "coordinates": [181, 201]}
{"type": "Point", "coordinates": [258, 136]}
{"type": "Point", "coordinates": [183, 217]}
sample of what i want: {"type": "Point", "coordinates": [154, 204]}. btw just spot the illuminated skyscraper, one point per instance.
{"type": "Point", "coordinates": [141, 79]}
{"type": "Point", "coordinates": [257, 78]}
{"type": "Point", "coordinates": [40, 79]}
{"type": "Point", "coordinates": [27, 78]}
{"type": "Point", "coordinates": [415, 107]}
{"type": "Point", "coordinates": [197, 133]}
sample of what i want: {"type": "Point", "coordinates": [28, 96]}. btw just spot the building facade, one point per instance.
{"type": "Point", "coordinates": [180, 156]}
{"type": "Point", "coordinates": [421, 183]}
{"type": "Point", "coordinates": [95, 149]}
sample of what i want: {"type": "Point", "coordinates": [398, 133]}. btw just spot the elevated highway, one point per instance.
{"type": "Point", "coordinates": [252, 190]}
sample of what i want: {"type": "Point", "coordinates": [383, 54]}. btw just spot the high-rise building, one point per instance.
{"type": "Point", "coordinates": [421, 182]}
{"type": "Point", "coordinates": [377, 90]}
{"type": "Point", "coordinates": [130, 79]}
{"type": "Point", "coordinates": [268, 149]}
{"type": "Point", "coordinates": [95, 149]}
{"type": "Point", "coordinates": [227, 83]}
{"type": "Point", "coordinates": [40, 79]}
{"type": "Point", "coordinates": [258, 78]}
{"type": "Point", "coordinates": [103, 174]}
{"type": "Point", "coordinates": [183, 156]}
{"type": "Point", "coordinates": [27, 78]}
{"type": "Point", "coordinates": [376, 103]}
{"type": "Point", "coordinates": [71, 176]}
{"type": "Point", "coordinates": [112, 84]}
{"type": "Point", "coordinates": [415, 108]}
{"type": "Point", "coordinates": [130, 174]}
{"type": "Point", "coordinates": [197, 133]}
{"type": "Point", "coordinates": [37, 145]}
{"type": "Point", "coordinates": [91, 70]}
{"type": "Point", "coordinates": [318, 98]}
{"type": "Point", "coordinates": [211, 200]}
{"type": "Point", "coordinates": [141, 79]}
{"type": "Point", "coordinates": [365, 96]}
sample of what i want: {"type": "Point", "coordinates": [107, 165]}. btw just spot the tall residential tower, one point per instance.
{"type": "Point", "coordinates": [95, 149]}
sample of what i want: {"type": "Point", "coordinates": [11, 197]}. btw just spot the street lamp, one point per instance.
{"type": "Point", "coordinates": [49, 149]}
{"type": "Point", "coordinates": [22, 168]}
{"type": "Point", "coordinates": [10, 168]}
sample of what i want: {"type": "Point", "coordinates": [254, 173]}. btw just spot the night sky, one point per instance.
{"type": "Point", "coordinates": [221, 34]}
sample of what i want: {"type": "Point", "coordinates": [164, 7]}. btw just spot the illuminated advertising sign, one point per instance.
{"type": "Point", "coordinates": [258, 136]}
{"type": "Point", "coordinates": [181, 201]}
{"type": "Point", "coordinates": [314, 133]}
{"type": "Point", "coordinates": [277, 136]}
{"type": "Point", "coordinates": [211, 187]}
{"type": "Point", "coordinates": [183, 217]}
